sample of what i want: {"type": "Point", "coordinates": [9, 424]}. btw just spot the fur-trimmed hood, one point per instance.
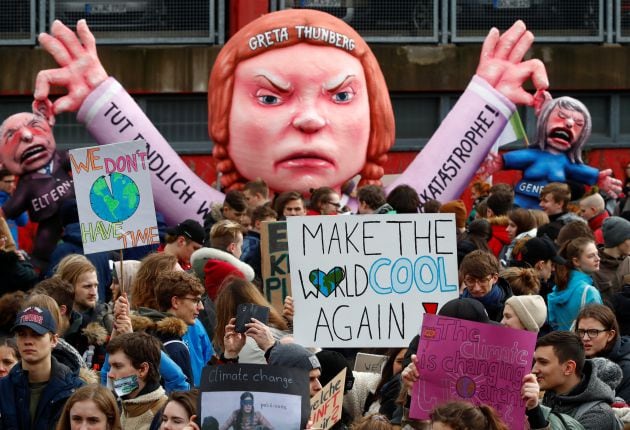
{"type": "Point", "coordinates": [160, 323]}
{"type": "Point", "coordinates": [501, 220]}
{"type": "Point", "coordinates": [95, 333]}
{"type": "Point", "coordinates": [200, 257]}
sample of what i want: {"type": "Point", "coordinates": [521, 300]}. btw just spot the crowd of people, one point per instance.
{"type": "Point", "coordinates": [95, 342]}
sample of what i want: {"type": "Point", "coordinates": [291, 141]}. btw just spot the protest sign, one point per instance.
{"type": "Point", "coordinates": [112, 184]}
{"type": "Point", "coordinates": [372, 363]}
{"type": "Point", "coordinates": [475, 362]}
{"type": "Point", "coordinates": [273, 396]}
{"type": "Point", "coordinates": [366, 281]}
{"type": "Point", "coordinates": [274, 250]}
{"type": "Point", "coordinates": [326, 405]}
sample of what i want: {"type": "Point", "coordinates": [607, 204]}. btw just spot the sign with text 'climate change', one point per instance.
{"type": "Point", "coordinates": [366, 281]}
{"type": "Point", "coordinates": [114, 196]}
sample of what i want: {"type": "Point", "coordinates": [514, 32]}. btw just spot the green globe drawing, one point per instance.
{"type": "Point", "coordinates": [118, 203]}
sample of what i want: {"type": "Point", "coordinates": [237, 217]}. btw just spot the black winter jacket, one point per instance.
{"type": "Point", "coordinates": [15, 398]}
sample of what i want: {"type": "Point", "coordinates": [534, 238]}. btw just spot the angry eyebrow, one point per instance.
{"type": "Point", "coordinates": [338, 82]}
{"type": "Point", "coordinates": [274, 81]}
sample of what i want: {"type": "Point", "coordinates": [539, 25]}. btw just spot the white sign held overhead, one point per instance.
{"type": "Point", "coordinates": [114, 196]}
{"type": "Point", "coordinates": [365, 281]}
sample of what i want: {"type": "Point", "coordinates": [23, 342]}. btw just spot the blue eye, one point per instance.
{"type": "Point", "coordinates": [343, 96]}
{"type": "Point", "coordinates": [268, 99]}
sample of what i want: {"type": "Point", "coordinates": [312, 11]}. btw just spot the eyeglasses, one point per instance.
{"type": "Point", "coordinates": [196, 300]}
{"type": "Point", "coordinates": [8, 181]}
{"type": "Point", "coordinates": [471, 281]}
{"type": "Point", "coordinates": [592, 333]}
{"type": "Point", "coordinates": [335, 204]}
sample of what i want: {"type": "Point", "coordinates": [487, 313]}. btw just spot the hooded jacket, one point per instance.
{"type": "Point", "coordinates": [590, 389]}
{"type": "Point", "coordinates": [169, 330]}
{"type": "Point", "coordinates": [15, 395]}
{"type": "Point", "coordinates": [212, 266]}
{"type": "Point", "coordinates": [609, 277]}
{"type": "Point", "coordinates": [620, 354]}
{"type": "Point", "coordinates": [564, 305]}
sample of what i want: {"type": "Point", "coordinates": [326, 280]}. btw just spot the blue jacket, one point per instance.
{"type": "Point", "coordinates": [541, 167]}
{"type": "Point", "coordinates": [15, 395]}
{"type": "Point", "coordinates": [173, 377]}
{"type": "Point", "coordinates": [564, 306]}
{"type": "Point", "coordinates": [200, 348]}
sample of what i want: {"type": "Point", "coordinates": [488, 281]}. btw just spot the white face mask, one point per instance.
{"type": "Point", "coordinates": [126, 385]}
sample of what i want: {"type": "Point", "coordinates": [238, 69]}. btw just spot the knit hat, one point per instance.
{"type": "Point", "coordinates": [458, 208]}
{"type": "Point", "coordinates": [607, 371]}
{"type": "Point", "coordinates": [293, 355]}
{"type": "Point", "coordinates": [530, 310]}
{"type": "Point", "coordinates": [465, 309]}
{"type": "Point", "coordinates": [537, 249]}
{"type": "Point", "coordinates": [616, 230]}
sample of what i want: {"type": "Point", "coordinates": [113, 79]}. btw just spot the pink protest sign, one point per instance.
{"type": "Point", "coordinates": [474, 362]}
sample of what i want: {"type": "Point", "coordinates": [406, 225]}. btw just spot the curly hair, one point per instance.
{"type": "Point", "coordinates": [151, 267]}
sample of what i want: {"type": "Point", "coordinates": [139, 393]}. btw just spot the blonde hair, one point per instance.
{"type": "Point", "coordinates": [72, 266]}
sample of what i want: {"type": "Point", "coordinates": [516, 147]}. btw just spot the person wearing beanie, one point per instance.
{"type": "Point", "coordinates": [614, 257]}
{"type": "Point", "coordinates": [294, 355]}
{"type": "Point", "coordinates": [458, 208]}
{"type": "Point", "coordinates": [525, 313]}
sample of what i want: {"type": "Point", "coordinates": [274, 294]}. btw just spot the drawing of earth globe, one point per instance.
{"type": "Point", "coordinates": [117, 203]}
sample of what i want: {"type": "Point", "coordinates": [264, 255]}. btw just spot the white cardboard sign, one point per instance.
{"type": "Point", "coordinates": [112, 184]}
{"type": "Point", "coordinates": [366, 281]}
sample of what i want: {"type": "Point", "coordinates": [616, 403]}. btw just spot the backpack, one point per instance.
{"type": "Point", "coordinates": [559, 421]}
{"type": "Point", "coordinates": [585, 407]}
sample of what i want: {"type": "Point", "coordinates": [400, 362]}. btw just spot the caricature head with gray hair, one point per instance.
{"type": "Point", "coordinates": [564, 125]}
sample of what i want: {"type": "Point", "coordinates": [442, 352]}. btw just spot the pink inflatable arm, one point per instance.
{"type": "Point", "coordinates": [448, 162]}
{"type": "Point", "coordinates": [111, 115]}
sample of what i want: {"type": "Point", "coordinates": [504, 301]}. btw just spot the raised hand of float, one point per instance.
{"type": "Point", "coordinates": [609, 185]}
{"type": "Point", "coordinates": [502, 66]}
{"type": "Point", "coordinates": [80, 69]}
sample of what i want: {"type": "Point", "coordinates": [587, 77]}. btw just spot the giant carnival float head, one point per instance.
{"type": "Point", "coordinates": [298, 98]}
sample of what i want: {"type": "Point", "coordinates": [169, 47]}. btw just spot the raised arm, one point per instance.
{"type": "Point", "coordinates": [111, 115]}
{"type": "Point", "coordinates": [450, 159]}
